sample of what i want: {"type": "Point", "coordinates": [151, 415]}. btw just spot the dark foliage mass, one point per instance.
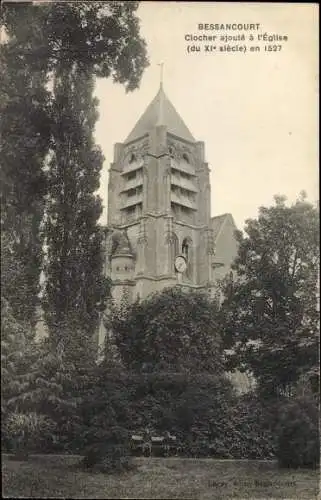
{"type": "Point", "coordinates": [201, 411]}
{"type": "Point", "coordinates": [297, 433]}
{"type": "Point", "coordinates": [50, 55]}
{"type": "Point", "coordinates": [269, 319]}
{"type": "Point", "coordinates": [64, 46]}
{"type": "Point", "coordinates": [172, 330]}
{"type": "Point", "coordinates": [75, 287]}
{"type": "Point", "coordinates": [104, 36]}
{"type": "Point", "coordinates": [24, 143]}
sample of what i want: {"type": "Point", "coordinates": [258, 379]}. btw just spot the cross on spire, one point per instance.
{"type": "Point", "coordinates": [161, 65]}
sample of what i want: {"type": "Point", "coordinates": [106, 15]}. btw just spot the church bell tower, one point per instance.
{"type": "Point", "coordinates": [159, 214]}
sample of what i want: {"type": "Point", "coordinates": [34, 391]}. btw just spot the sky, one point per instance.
{"type": "Point", "coordinates": [257, 112]}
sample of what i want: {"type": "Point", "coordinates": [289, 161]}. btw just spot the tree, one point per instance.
{"type": "Point", "coordinates": [25, 134]}
{"type": "Point", "coordinates": [93, 39]}
{"type": "Point", "coordinates": [172, 330]}
{"type": "Point", "coordinates": [21, 426]}
{"type": "Point", "coordinates": [14, 342]}
{"type": "Point", "coordinates": [45, 380]}
{"type": "Point", "coordinates": [41, 41]}
{"type": "Point", "coordinates": [269, 317]}
{"type": "Point", "coordinates": [61, 378]}
{"type": "Point", "coordinates": [52, 53]}
{"type": "Point", "coordinates": [75, 288]}
{"type": "Point", "coordinates": [103, 36]}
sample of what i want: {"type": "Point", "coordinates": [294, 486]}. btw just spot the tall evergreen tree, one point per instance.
{"type": "Point", "coordinates": [42, 41]}
{"type": "Point", "coordinates": [24, 142]}
{"type": "Point", "coordinates": [75, 287]}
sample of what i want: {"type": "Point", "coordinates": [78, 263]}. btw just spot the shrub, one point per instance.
{"type": "Point", "coordinates": [27, 432]}
{"type": "Point", "coordinates": [235, 429]}
{"type": "Point", "coordinates": [215, 421]}
{"type": "Point", "coordinates": [297, 433]}
{"type": "Point", "coordinates": [109, 452]}
{"type": "Point", "coordinates": [201, 410]}
{"type": "Point", "coordinates": [204, 413]}
{"type": "Point", "coordinates": [250, 437]}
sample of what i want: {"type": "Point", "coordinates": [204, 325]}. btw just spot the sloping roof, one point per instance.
{"type": "Point", "coordinates": [160, 112]}
{"type": "Point", "coordinates": [218, 222]}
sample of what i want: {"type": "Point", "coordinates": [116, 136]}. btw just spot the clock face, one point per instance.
{"type": "Point", "coordinates": [180, 264]}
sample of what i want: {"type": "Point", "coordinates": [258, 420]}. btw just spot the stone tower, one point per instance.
{"type": "Point", "coordinates": [159, 207]}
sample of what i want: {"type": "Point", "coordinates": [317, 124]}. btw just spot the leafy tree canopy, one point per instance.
{"type": "Point", "coordinates": [172, 330]}
{"type": "Point", "coordinates": [269, 317]}
{"type": "Point", "coordinates": [104, 36]}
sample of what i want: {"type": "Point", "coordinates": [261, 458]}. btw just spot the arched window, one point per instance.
{"type": "Point", "coordinates": [132, 158]}
{"type": "Point", "coordinates": [186, 158]}
{"type": "Point", "coordinates": [187, 250]}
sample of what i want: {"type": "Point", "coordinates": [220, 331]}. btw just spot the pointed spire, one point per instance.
{"type": "Point", "coordinates": [160, 112]}
{"type": "Point", "coordinates": [161, 94]}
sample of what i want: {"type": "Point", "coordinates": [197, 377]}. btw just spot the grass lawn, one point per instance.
{"type": "Point", "coordinates": [203, 479]}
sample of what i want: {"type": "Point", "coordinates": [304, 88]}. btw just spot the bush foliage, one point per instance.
{"type": "Point", "coordinates": [297, 434]}
{"type": "Point", "coordinates": [108, 451]}
{"type": "Point", "coordinates": [172, 330]}
{"type": "Point", "coordinates": [202, 411]}
{"type": "Point", "coordinates": [28, 432]}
